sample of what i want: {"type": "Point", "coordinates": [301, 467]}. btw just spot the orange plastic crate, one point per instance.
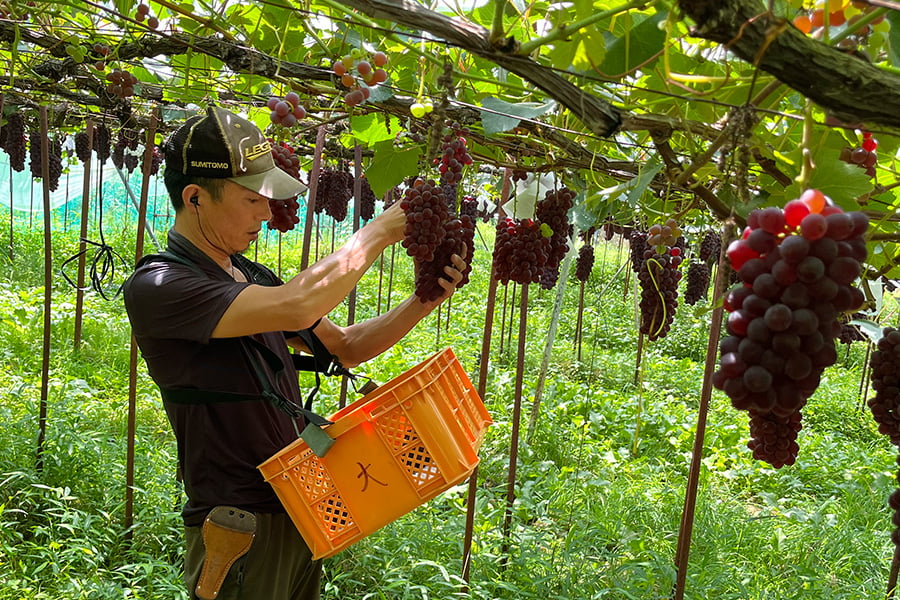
{"type": "Point", "coordinates": [395, 448]}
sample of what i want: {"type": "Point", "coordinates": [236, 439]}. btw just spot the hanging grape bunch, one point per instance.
{"type": "Point", "coordinates": [521, 250]}
{"type": "Point", "coordinates": [871, 36]}
{"type": "Point", "coordinates": [658, 277]}
{"type": "Point", "coordinates": [864, 157]}
{"type": "Point", "coordinates": [143, 13]}
{"type": "Point", "coordinates": [156, 160]}
{"type": "Point", "coordinates": [697, 282]}
{"type": "Point", "coordinates": [284, 212]}
{"type": "Point", "coordinates": [553, 211]}
{"type": "Point", "coordinates": [850, 333]}
{"type": "Point", "coordinates": [286, 111]}
{"type": "Point", "coordinates": [83, 146]}
{"type": "Point", "coordinates": [121, 83]}
{"type": "Point", "coordinates": [710, 246]}
{"type": "Point", "coordinates": [333, 193]}
{"type": "Point", "coordinates": [366, 201]}
{"type": "Point", "coordinates": [458, 238]}
{"type": "Point", "coordinates": [102, 142]}
{"type": "Point", "coordinates": [637, 244]}
{"type": "Point", "coordinates": [584, 263]}
{"type": "Point", "coordinates": [16, 143]}
{"type": "Point", "coordinates": [359, 73]}
{"type": "Point", "coordinates": [454, 156]}
{"type": "Point", "coordinates": [54, 155]}
{"type": "Point", "coordinates": [426, 214]}
{"type": "Point", "coordinates": [796, 266]}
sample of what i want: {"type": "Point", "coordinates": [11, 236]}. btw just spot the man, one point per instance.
{"type": "Point", "coordinates": [199, 320]}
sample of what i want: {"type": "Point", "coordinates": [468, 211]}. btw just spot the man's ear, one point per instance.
{"type": "Point", "coordinates": [190, 192]}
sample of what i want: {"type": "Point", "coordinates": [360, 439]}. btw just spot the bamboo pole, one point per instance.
{"type": "Point", "coordinates": [311, 196]}
{"type": "Point", "coordinates": [690, 497]}
{"type": "Point", "coordinates": [133, 357]}
{"type": "Point", "coordinates": [48, 290]}
{"type": "Point", "coordinates": [82, 244]}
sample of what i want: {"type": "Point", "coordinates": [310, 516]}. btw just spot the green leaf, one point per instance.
{"type": "Point", "coordinates": [370, 129]}
{"type": "Point", "coordinates": [893, 42]}
{"type": "Point", "coordinates": [637, 46]}
{"type": "Point", "coordinates": [499, 116]}
{"type": "Point", "coordinates": [391, 166]}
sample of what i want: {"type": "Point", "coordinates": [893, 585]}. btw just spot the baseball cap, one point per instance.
{"type": "Point", "coordinates": [221, 145]}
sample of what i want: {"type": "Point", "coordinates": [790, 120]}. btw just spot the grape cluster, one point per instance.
{"type": "Point", "coordinates": [366, 200]}
{"type": "Point", "coordinates": [850, 333]}
{"type": "Point", "coordinates": [697, 282]}
{"type": "Point", "coordinates": [659, 277]}
{"type": "Point", "coordinates": [796, 267]}
{"type": "Point", "coordinates": [15, 143]}
{"type": "Point", "coordinates": [885, 376]}
{"type": "Point", "coordinates": [142, 13]}
{"type": "Point", "coordinates": [454, 157]}
{"type": "Point", "coordinates": [102, 142]}
{"type": "Point", "coordinates": [127, 139]}
{"type": "Point", "coordinates": [864, 156]}
{"type": "Point", "coordinates": [553, 211]}
{"type": "Point", "coordinates": [369, 73]}
{"type": "Point", "coordinates": [458, 238]}
{"type": "Point", "coordinates": [519, 175]}
{"type": "Point", "coordinates": [156, 160]}
{"type": "Point", "coordinates": [710, 246]}
{"type": "Point", "coordinates": [426, 212]}
{"type": "Point", "coordinates": [284, 212]}
{"type": "Point", "coordinates": [82, 146]}
{"type": "Point", "coordinates": [54, 155]}
{"type": "Point", "coordinates": [286, 111]}
{"type": "Point", "coordinates": [521, 251]}
{"type": "Point", "coordinates": [872, 35]}
{"type": "Point", "coordinates": [335, 188]}
{"type": "Point", "coordinates": [584, 263]}
{"type": "Point", "coordinates": [638, 244]}
{"type": "Point", "coordinates": [665, 235]}
{"type": "Point", "coordinates": [121, 83]}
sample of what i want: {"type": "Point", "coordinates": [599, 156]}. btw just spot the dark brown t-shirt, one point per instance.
{"type": "Point", "coordinates": [173, 311]}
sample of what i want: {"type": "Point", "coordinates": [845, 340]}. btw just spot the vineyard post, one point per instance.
{"type": "Point", "coordinates": [85, 216]}
{"type": "Point", "coordinates": [48, 289]}
{"type": "Point", "coordinates": [548, 343]}
{"type": "Point", "coordinates": [311, 196]}
{"type": "Point", "coordinates": [690, 497]}
{"type": "Point", "coordinates": [516, 417]}
{"type": "Point", "coordinates": [133, 358]}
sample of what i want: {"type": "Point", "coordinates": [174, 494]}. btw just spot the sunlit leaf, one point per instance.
{"type": "Point", "coordinates": [390, 166]}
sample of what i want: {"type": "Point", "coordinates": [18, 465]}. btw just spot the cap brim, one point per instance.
{"type": "Point", "coordinates": [274, 184]}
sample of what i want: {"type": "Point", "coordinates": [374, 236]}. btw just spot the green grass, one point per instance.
{"type": "Point", "coordinates": [598, 502]}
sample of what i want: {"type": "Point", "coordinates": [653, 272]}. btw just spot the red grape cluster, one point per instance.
{"type": "Point", "coordinates": [284, 212]}
{"type": "Point", "coordinates": [369, 73]}
{"type": "Point", "coordinates": [102, 142]}
{"type": "Point", "coordinates": [335, 188]}
{"type": "Point", "coordinates": [864, 156]}
{"type": "Point", "coordinates": [286, 111]}
{"type": "Point", "coordinates": [519, 175]}
{"type": "Point", "coordinates": [584, 263]}
{"type": "Point", "coordinates": [553, 211]}
{"type": "Point", "coordinates": [521, 251]}
{"type": "Point", "coordinates": [458, 238]}
{"type": "Point", "coordinates": [796, 268]}
{"type": "Point", "coordinates": [453, 158]}
{"type": "Point", "coordinates": [710, 246]}
{"type": "Point", "coordinates": [143, 12]}
{"type": "Point", "coordinates": [156, 160]}
{"type": "Point", "coordinates": [54, 155]}
{"type": "Point", "coordinates": [121, 83]}
{"type": "Point", "coordinates": [638, 244]}
{"type": "Point", "coordinates": [127, 139]}
{"type": "Point", "coordinates": [99, 56]}
{"type": "Point", "coordinates": [885, 376]}
{"type": "Point", "coordinates": [83, 146]}
{"type": "Point", "coordinates": [366, 201]}
{"type": "Point", "coordinates": [426, 215]}
{"type": "Point", "coordinates": [15, 143]}
{"type": "Point", "coordinates": [697, 282]}
{"type": "Point", "coordinates": [659, 277]}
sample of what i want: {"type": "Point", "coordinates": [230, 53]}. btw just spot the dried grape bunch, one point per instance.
{"type": "Point", "coordinates": [638, 243]}
{"type": "Point", "coordinates": [553, 211]}
{"type": "Point", "coordinates": [697, 282]}
{"type": "Point", "coordinates": [885, 376]}
{"type": "Point", "coordinates": [521, 251]}
{"type": "Point", "coordinates": [710, 246]}
{"type": "Point", "coordinates": [16, 143]}
{"type": "Point", "coordinates": [796, 267]}
{"type": "Point", "coordinates": [426, 214]}
{"type": "Point", "coordinates": [659, 277]}
{"type": "Point", "coordinates": [584, 263]}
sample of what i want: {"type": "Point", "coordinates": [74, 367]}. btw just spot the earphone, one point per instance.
{"type": "Point", "coordinates": [194, 201]}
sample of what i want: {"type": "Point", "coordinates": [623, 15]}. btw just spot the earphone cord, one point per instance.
{"type": "Point", "coordinates": [209, 241]}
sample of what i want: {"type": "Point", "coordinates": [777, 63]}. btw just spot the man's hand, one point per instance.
{"type": "Point", "coordinates": [453, 276]}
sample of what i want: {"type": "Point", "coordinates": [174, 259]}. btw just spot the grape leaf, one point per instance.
{"type": "Point", "coordinates": [893, 44]}
{"type": "Point", "coordinates": [390, 166]}
{"type": "Point", "coordinates": [370, 129]}
{"type": "Point", "coordinates": [638, 46]}
{"type": "Point", "coordinates": [499, 116]}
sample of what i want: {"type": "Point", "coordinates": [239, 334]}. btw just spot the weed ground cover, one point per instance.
{"type": "Point", "coordinates": [600, 482]}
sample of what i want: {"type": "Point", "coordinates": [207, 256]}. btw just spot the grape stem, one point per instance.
{"type": "Point", "coordinates": [662, 299]}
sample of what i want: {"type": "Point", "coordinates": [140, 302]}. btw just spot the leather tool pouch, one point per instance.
{"type": "Point", "coordinates": [227, 535]}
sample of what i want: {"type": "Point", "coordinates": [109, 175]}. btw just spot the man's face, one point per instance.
{"type": "Point", "coordinates": [238, 217]}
